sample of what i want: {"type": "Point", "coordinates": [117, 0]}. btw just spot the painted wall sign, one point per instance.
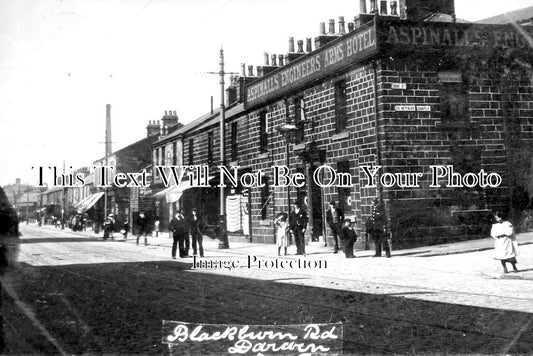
{"type": "Point", "coordinates": [451, 35]}
{"type": "Point", "coordinates": [350, 48]}
{"type": "Point", "coordinates": [398, 86]}
{"type": "Point", "coordinates": [230, 339]}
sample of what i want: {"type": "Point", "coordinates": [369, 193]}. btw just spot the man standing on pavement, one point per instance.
{"type": "Point", "coordinates": [180, 231]}
{"type": "Point", "coordinates": [197, 227]}
{"type": "Point", "coordinates": [142, 228]}
{"type": "Point", "coordinates": [376, 227]}
{"type": "Point", "coordinates": [298, 226]}
{"type": "Point", "coordinates": [335, 217]}
{"type": "Point", "coordinates": [109, 227]}
{"type": "Point", "coordinates": [348, 237]}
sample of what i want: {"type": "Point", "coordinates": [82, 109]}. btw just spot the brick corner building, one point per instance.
{"type": "Point", "coordinates": [403, 93]}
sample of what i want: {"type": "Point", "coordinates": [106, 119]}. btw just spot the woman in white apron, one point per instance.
{"type": "Point", "coordinates": [282, 232]}
{"type": "Point", "coordinates": [505, 245]}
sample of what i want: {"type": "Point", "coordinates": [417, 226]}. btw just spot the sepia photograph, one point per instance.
{"type": "Point", "coordinates": [266, 177]}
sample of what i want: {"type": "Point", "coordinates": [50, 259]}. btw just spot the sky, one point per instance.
{"type": "Point", "coordinates": [62, 61]}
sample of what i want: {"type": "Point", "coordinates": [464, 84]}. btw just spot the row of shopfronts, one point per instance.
{"type": "Point", "coordinates": [390, 96]}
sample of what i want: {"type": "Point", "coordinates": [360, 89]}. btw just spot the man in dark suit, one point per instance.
{"type": "Point", "coordinates": [376, 227]}
{"type": "Point", "coordinates": [298, 226]}
{"type": "Point", "coordinates": [348, 237]}
{"type": "Point", "coordinates": [334, 218]}
{"type": "Point", "coordinates": [142, 226]}
{"type": "Point", "coordinates": [180, 232]}
{"type": "Point", "coordinates": [196, 224]}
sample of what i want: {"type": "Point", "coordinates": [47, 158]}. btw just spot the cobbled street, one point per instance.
{"type": "Point", "coordinates": [73, 293]}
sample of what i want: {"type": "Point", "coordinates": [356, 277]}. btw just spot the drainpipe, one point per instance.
{"type": "Point", "coordinates": [378, 149]}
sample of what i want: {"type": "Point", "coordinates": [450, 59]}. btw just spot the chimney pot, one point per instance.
{"type": "Point", "coordinates": [280, 60]}
{"type": "Point", "coordinates": [243, 69]}
{"type": "Point", "coordinates": [322, 28]}
{"type": "Point", "coordinates": [308, 45]}
{"type": "Point", "coordinates": [250, 71]}
{"type": "Point", "coordinates": [351, 26]}
{"type": "Point", "coordinates": [274, 60]}
{"type": "Point", "coordinates": [300, 46]}
{"type": "Point", "coordinates": [291, 44]}
{"type": "Point", "coordinates": [342, 30]}
{"type": "Point", "coordinates": [331, 27]}
{"type": "Point", "coordinates": [394, 8]}
{"type": "Point", "coordinates": [267, 63]}
{"type": "Point", "coordinates": [383, 6]}
{"type": "Point", "coordinates": [373, 6]}
{"type": "Point", "coordinates": [362, 6]}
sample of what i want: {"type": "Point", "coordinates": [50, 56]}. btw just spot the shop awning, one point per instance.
{"type": "Point", "coordinates": [88, 202]}
{"type": "Point", "coordinates": [173, 193]}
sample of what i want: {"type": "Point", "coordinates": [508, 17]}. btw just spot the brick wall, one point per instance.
{"type": "Point", "coordinates": [495, 135]}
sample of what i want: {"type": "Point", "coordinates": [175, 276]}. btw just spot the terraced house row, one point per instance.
{"type": "Point", "coordinates": [409, 105]}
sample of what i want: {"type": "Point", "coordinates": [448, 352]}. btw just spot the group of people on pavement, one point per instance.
{"type": "Point", "coordinates": [343, 232]}
{"type": "Point", "coordinates": [181, 227]}
{"type": "Point", "coordinates": [291, 226]}
{"type": "Point", "coordinates": [343, 229]}
{"type": "Point", "coordinates": [143, 228]}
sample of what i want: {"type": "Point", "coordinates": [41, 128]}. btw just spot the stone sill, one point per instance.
{"type": "Point", "coordinates": [340, 136]}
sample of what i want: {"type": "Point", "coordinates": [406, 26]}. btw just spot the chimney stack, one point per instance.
{"type": "Point", "coordinates": [309, 45]}
{"type": "Point", "coordinates": [231, 94]}
{"type": "Point", "coordinates": [250, 71]}
{"type": "Point", "coordinates": [331, 27]}
{"type": "Point", "coordinates": [417, 10]}
{"type": "Point", "coordinates": [292, 55]}
{"type": "Point", "coordinates": [274, 60]}
{"type": "Point", "coordinates": [322, 28]}
{"type": "Point", "coordinates": [351, 26]}
{"type": "Point", "coordinates": [323, 38]}
{"type": "Point", "coordinates": [300, 46]}
{"type": "Point", "coordinates": [280, 60]}
{"type": "Point", "coordinates": [342, 30]}
{"type": "Point", "coordinates": [291, 44]}
{"type": "Point", "coordinates": [152, 128]}
{"type": "Point", "coordinates": [108, 149]}
{"type": "Point", "coordinates": [170, 119]}
{"type": "Point", "coordinates": [267, 60]}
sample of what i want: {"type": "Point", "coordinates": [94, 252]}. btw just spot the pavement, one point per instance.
{"type": "Point", "coordinates": [318, 250]}
{"type": "Point", "coordinates": [462, 273]}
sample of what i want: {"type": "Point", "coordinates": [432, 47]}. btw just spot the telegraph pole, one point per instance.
{"type": "Point", "coordinates": [223, 243]}
{"type": "Point", "coordinates": [222, 226]}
